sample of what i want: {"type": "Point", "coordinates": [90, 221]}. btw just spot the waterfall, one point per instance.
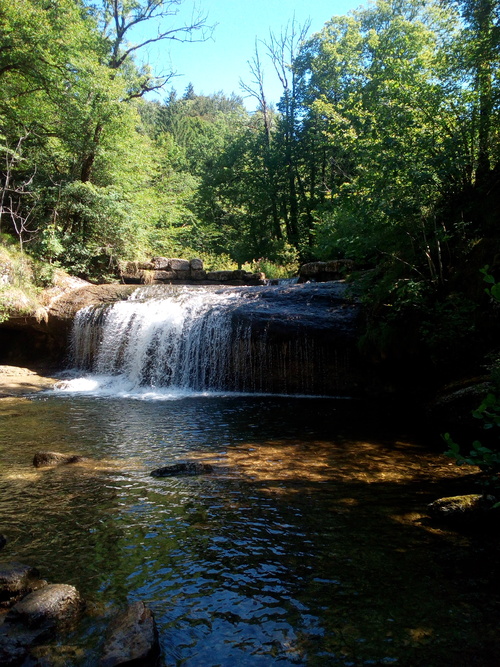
{"type": "Point", "coordinates": [193, 339]}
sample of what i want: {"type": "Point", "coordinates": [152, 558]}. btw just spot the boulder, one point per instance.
{"type": "Point", "coordinates": [183, 275]}
{"type": "Point", "coordinates": [184, 468]}
{"type": "Point", "coordinates": [17, 580]}
{"type": "Point", "coordinates": [464, 510]}
{"type": "Point", "coordinates": [52, 607]}
{"type": "Point", "coordinates": [161, 263]}
{"type": "Point", "coordinates": [220, 276]}
{"type": "Point", "coordinates": [179, 264]}
{"type": "Point", "coordinates": [132, 639]}
{"type": "Point", "coordinates": [325, 271]}
{"type": "Point", "coordinates": [136, 278]}
{"type": "Point", "coordinates": [162, 276]}
{"type": "Point", "coordinates": [196, 264]}
{"type": "Point", "coordinates": [198, 274]}
{"type": "Point", "coordinates": [45, 459]}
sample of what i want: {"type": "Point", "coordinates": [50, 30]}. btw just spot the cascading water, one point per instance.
{"type": "Point", "coordinates": [288, 339]}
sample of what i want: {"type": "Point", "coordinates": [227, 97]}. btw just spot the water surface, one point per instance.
{"type": "Point", "coordinates": [308, 545]}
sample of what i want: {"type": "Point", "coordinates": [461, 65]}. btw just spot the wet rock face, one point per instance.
{"type": "Point", "coordinates": [132, 639]}
{"type": "Point", "coordinates": [17, 580]}
{"type": "Point", "coordinates": [186, 468]}
{"type": "Point", "coordinates": [45, 459]}
{"type": "Point", "coordinates": [52, 607]}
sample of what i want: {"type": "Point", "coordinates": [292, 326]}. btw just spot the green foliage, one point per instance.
{"type": "Point", "coordinates": [488, 412]}
{"type": "Point", "coordinates": [271, 269]}
{"type": "Point", "coordinates": [380, 150]}
{"type": "Point", "coordinates": [488, 460]}
{"type": "Point", "coordinates": [20, 280]}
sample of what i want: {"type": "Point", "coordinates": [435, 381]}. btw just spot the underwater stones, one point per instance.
{"type": "Point", "coordinates": [44, 459]}
{"type": "Point", "coordinates": [185, 468]}
{"type": "Point", "coordinates": [17, 580]}
{"type": "Point", "coordinates": [51, 607]}
{"type": "Point", "coordinates": [36, 619]}
{"type": "Point", "coordinates": [132, 638]}
{"type": "Point", "coordinates": [16, 642]}
{"type": "Point", "coordinates": [465, 510]}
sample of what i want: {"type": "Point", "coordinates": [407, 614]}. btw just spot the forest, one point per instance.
{"type": "Point", "coordinates": [383, 149]}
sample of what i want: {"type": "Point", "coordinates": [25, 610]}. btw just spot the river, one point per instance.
{"type": "Point", "coordinates": [308, 545]}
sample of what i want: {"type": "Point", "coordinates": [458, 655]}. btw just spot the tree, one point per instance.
{"type": "Point", "coordinates": [117, 19]}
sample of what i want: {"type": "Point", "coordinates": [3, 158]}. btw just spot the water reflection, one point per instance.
{"type": "Point", "coordinates": [307, 546]}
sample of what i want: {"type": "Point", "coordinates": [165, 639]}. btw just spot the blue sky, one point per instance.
{"type": "Point", "coordinates": [219, 63]}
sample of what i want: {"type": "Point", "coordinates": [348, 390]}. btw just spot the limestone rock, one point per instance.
{"type": "Point", "coordinates": [198, 274]}
{"type": "Point", "coordinates": [52, 607]}
{"type": "Point", "coordinates": [163, 275]}
{"type": "Point", "coordinates": [132, 639]}
{"type": "Point", "coordinates": [179, 264]}
{"type": "Point", "coordinates": [462, 509]}
{"type": "Point", "coordinates": [184, 468]}
{"type": "Point", "coordinates": [161, 263]}
{"type": "Point", "coordinates": [325, 271]}
{"type": "Point", "coordinates": [196, 264]}
{"type": "Point", "coordinates": [17, 580]}
{"type": "Point", "coordinates": [220, 276]}
{"type": "Point", "coordinates": [44, 459]}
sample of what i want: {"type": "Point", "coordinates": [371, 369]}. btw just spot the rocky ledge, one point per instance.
{"type": "Point", "coordinates": [321, 272]}
{"type": "Point", "coordinates": [174, 271]}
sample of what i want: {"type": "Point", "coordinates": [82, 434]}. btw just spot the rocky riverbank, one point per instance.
{"type": "Point", "coordinates": [18, 381]}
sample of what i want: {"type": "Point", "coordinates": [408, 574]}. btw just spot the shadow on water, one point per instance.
{"type": "Point", "coordinates": [308, 545]}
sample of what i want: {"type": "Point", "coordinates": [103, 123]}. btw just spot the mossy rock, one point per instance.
{"type": "Point", "coordinates": [464, 510]}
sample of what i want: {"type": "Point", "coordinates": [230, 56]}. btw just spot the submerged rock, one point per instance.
{"type": "Point", "coordinates": [185, 468]}
{"type": "Point", "coordinates": [132, 639]}
{"type": "Point", "coordinates": [16, 580]}
{"type": "Point", "coordinates": [15, 643]}
{"type": "Point", "coordinates": [36, 619]}
{"type": "Point", "coordinates": [52, 607]}
{"type": "Point", "coordinates": [464, 509]}
{"type": "Point", "coordinates": [42, 459]}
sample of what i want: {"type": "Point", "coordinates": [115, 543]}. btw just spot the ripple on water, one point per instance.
{"type": "Point", "coordinates": [308, 544]}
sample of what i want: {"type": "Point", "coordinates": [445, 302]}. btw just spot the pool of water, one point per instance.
{"type": "Point", "coordinates": [309, 544]}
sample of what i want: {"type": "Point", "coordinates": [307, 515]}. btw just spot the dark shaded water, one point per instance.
{"type": "Point", "coordinates": [309, 545]}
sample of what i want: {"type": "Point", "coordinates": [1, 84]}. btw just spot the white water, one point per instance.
{"type": "Point", "coordinates": [156, 344]}
{"type": "Point", "coordinates": [169, 343]}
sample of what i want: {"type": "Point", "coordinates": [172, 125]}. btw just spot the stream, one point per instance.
{"type": "Point", "coordinates": [308, 545]}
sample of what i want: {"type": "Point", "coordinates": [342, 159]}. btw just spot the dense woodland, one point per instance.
{"type": "Point", "coordinates": [383, 149]}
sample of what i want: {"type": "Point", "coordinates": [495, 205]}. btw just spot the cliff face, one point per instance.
{"type": "Point", "coordinates": [43, 337]}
